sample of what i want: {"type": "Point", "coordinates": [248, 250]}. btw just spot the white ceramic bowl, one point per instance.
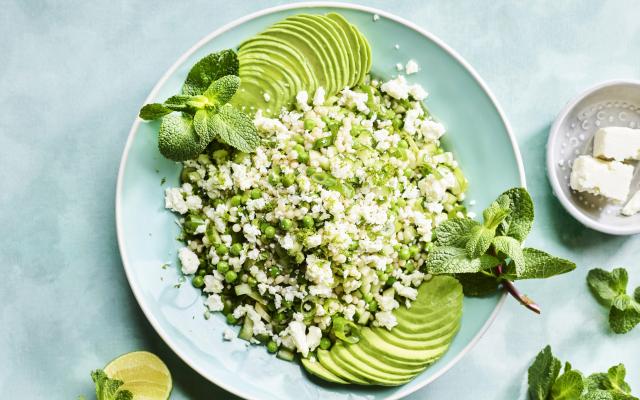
{"type": "Point", "coordinates": [612, 103]}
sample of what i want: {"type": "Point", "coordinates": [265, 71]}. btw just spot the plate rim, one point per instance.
{"type": "Point", "coordinates": [552, 176]}
{"type": "Point", "coordinates": [239, 21]}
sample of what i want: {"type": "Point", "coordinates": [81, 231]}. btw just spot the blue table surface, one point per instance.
{"type": "Point", "coordinates": [73, 75]}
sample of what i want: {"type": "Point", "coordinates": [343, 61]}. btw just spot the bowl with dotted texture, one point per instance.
{"type": "Point", "coordinates": [612, 103]}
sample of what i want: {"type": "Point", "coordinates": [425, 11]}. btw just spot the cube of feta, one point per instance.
{"type": "Point", "coordinates": [607, 178]}
{"type": "Point", "coordinates": [633, 206]}
{"type": "Point", "coordinates": [617, 143]}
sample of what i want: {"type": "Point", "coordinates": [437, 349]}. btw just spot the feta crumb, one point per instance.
{"type": "Point", "coordinates": [296, 329]}
{"type": "Point", "coordinates": [228, 334]}
{"type": "Point", "coordinates": [386, 319]}
{"type": "Point", "coordinates": [633, 206]}
{"type": "Point", "coordinates": [396, 88]}
{"type": "Point", "coordinates": [174, 201]}
{"type": "Point", "coordinates": [267, 97]}
{"type": "Point", "coordinates": [412, 67]}
{"type": "Point", "coordinates": [399, 66]}
{"type": "Point", "coordinates": [189, 261]}
{"type": "Point", "coordinates": [214, 303]}
{"type": "Point", "coordinates": [397, 46]}
{"type": "Point", "coordinates": [313, 337]}
{"type": "Point", "coordinates": [318, 98]}
{"type": "Point", "coordinates": [376, 17]}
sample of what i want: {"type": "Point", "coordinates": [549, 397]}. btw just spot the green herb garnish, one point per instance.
{"type": "Point", "coordinates": [486, 255]}
{"type": "Point", "coordinates": [610, 289]}
{"type": "Point", "coordinates": [546, 382]}
{"type": "Point", "coordinates": [202, 113]}
{"type": "Point", "coordinates": [107, 388]}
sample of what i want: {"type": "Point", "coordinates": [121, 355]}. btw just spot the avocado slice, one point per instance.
{"type": "Point", "coordinates": [271, 60]}
{"type": "Point", "coordinates": [382, 366]}
{"type": "Point", "coordinates": [400, 353]}
{"type": "Point", "coordinates": [274, 81]}
{"type": "Point", "coordinates": [365, 54]}
{"type": "Point", "coordinates": [344, 359]}
{"type": "Point", "coordinates": [315, 368]}
{"type": "Point", "coordinates": [443, 336]}
{"type": "Point", "coordinates": [353, 46]}
{"type": "Point", "coordinates": [307, 41]}
{"type": "Point", "coordinates": [428, 333]}
{"type": "Point", "coordinates": [340, 47]}
{"type": "Point", "coordinates": [324, 357]}
{"type": "Point", "coordinates": [254, 82]}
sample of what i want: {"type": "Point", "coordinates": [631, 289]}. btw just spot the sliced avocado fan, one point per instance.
{"type": "Point", "coordinates": [301, 52]}
{"type": "Point", "coordinates": [390, 358]}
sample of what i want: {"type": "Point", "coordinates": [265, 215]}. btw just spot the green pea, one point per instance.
{"type": "Point", "coordinates": [221, 249]}
{"type": "Point", "coordinates": [272, 346]}
{"type": "Point", "coordinates": [403, 144]}
{"type": "Point", "coordinates": [309, 124]}
{"type": "Point", "coordinates": [222, 267]}
{"type": "Point", "coordinates": [401, 202]}
{"type": "Point", "coordinates": [256, 193]}
{"type": "Point", "coordinates": [325, 343]}
{"type": "Point", "coordinates": [274, 178]}
{"type": "Point", "coordinates": [236, 200]}
{"type": "Point", "coordinates": [230, 276]}
{"type": "Point", "coordinates": [311, 170]}
{"type": "Point", "coordinates": [270, 232]}
{"type": "Point", "coordinates": [298, 148]}
{"type": "Point", "coordinates": [382, 276]}
{"type": "Point", "coordinates": [308, 222]}
{"type": "Point", "coordinates": [414, 250]}
{"type": "Point", "coordinates": [202, 272]}
{"type": "Point", "coordinates": [299, 258]}
{"type": "Point", "coordinates": [280, 317]}
{"type": "Point", "coordinates": [286, 224]}
{"type": "Point", "coordinates": [322, 142]}
{"type": "Point", "coordinates": [235, 249]}
{"type": "Point", "coordinates": [289, 179]}
{"type": "Point", "coordinates": [231, 320]}
{"type": "Point", "coordinates": [391, 281]}
{"type": "Point", "coordinates": [404, 253]}
{"type": "Point", "coordinates": [240, 157]}
{"type": "Point", "coordinates": [303, 157]}
{"type": "Point", "coordinates": [252, 281]}
{"type": "Point", "coordinates": [298, 139]}
{"type": "Point", "coordinates": [197, 281]}
{"type": "Point", "coordinates": [274, 272]}
{"type": "Point", "coordinates": [410, 266]}
{"type": "Point", "coordinates": [368, 297]}
{"type": "Point", "coordinates": [372, 306]}
{"type": "Point", "coordinates": [245, 197]}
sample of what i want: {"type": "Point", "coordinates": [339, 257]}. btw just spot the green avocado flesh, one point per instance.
{"type": "Point", "coordinates": [390, 358]}
{"type": "Point", "coordinates": [301, 52]}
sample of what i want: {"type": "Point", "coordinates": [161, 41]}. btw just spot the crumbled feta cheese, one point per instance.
{"type": "Point", "coordinates": [633, 205]}
{"type": "Point", "coordinates": [617, 143]}
{"type": "Point", "coordinates": [174, 201]}
{"type": "Point", "coordinates": [386, 319]}
{"type": "Point", "coordinates": [376, 17]}
{"type": "Point", "coordinates": [228, 334]}
{"type": "Point", "coordinates": [189, 261]}
{"type": "Point", "coordinates": [318, 97]}
{"type": "Point", "coordinates": [399, 67]}
{"type": "Point", "coordinates": [297, 331]}
{"type": "Point", "coordinates": [313, 337]}
{"type": "Point", "coordinates": [212, 284]}
{"type": "Point", "coordinates": [396, 88]}
{"type": "Point", "coordinates": [214, 303]}
{"type": "Point", "coordinates": [412, 67]}
{"type": "Point", "coordinates": [267, 97]}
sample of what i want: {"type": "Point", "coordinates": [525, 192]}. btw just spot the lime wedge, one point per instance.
{"type": "Point", "coordinates": [143, 373]}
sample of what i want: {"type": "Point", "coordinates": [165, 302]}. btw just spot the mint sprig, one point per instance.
{"type": "Point", "coordinates": [610, 289]}
{"type": "Point", "coordinates": [109, 389]}
{"type": "Point", "coordinates": [546, 382]}
{"type": "Point", "coordinates": [485, 255]}
{"type": "Point", "coordinates": [205, 112]}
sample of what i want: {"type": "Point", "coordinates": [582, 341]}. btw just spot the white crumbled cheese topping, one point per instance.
{"type": "Point", "coordinates": [189, 261]}
{"type": "Point", "coordinates": [376, 17]}
{"type": "Point", "coordinates": [358, 181]}
{"type": "Point", "coordinates": [617, 143]}
{"type": "Point", "coordinates": [228, 334]}
{"type": "Point", "coordinates": [267, 97]}
{"type": "Point", "coordinates": [412, 67]}
{"type": "Point", "coordinates": [611, 179]}
{"type": "Point", "coordinates": [396, 46]}
{"type": "Point", "coordinates": [399, 67]}
{"type": "Point", "coordinates": [633, 205]}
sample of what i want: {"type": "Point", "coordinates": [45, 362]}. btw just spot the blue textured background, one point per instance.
{"type": "Point", "coordinates": [72, 77]}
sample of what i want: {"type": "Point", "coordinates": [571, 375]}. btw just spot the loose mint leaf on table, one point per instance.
{"type": "Point", "coordinates": [108, 389]}
{"type": "Point", "coordinates": [568, 386]}
{"type": "Point", "coordinates": [464, 246]}
{"type": "Point", "coordinates": [236, 129]}
{"type": "Point", "coordinates": [610, 289]}
{"type": "Point", "coordinates": [209, 69]}
{"type": "Point", "coordinates": [542, 374]}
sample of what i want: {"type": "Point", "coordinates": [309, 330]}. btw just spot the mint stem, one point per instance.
{"type": "Point", "coordinates": [513, 291]}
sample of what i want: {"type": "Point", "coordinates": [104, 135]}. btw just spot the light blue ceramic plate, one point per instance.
{"type": "Point", "coordinates": [477, 133]}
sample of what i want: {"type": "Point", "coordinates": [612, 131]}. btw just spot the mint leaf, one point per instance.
{"type": "Point", "coordinates": [511, 248]}
{"type": "Point", "coordinates": [177, 138]}
{"type": "Point", "coordinates": [609, 385]}
{"type": "Point", "coordinates": [597, 394]}
{"type": "Point", "coordinates": [496, 213]}
{"type": "Point", "coordinates": [236, 129]}
{"type": "Point", "coordinates": [454, 260]}
{"type": "Point", "coordinates": [615, 379]}
{"type": "Point", "coordinates": [569, 386]}
{"type": "Point", "coordinates": [108, 389]}
{"type": "Point", "coordinates": [455, 232]}
{"type": "Point", "coordinates": [223, 89]}
{"type": "Point", "coordinates": [519, 221]}
{"type": "Point", "coordinates": [636, 294]}
{"type": "Point", "coordinates": [153, 111]}
{"type": "Point", "coordinates": [478, 284]}
{"type": "Point", "coordinates": [204, 125]}
{"type": "Point", "coordinates": [624, 315]}
{"type": "Point", "coordinates": [539, 265]}
{"type": "Point", "coordinates": [208, 69]}
{"type": "Point", "coordinates": [606, 286]}
{"type": "Point", "coordinates": [542, 374]}
{"type": "Point", "coordinates": [479, 241]}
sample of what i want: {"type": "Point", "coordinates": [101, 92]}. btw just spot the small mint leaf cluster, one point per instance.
{"type": "Point", "coordinates": [546, 382]}
{"type": "Point", "coordinates": [485, 255]}
{"type": "Point", "coordinates": [109, 389]}
{"type": "Point", "coordinates": [202, 113]}
{"type": "Point", "coordinates": [610, 289]}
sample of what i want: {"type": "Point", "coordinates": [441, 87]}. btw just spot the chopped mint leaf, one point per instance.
{"type": "Point", "coordinates": [542, 374]}
{"type": "Point", "coordinates": [568, 386]}
{"type": "Point", "coordinates": [478, 284]}
{"type": "Point", "coordinates": [236, 129]}
{"type": "Point", "coordinates": [540, 265]}
{"type": "Point", "coordinates": [163, 180]}
{"type": "Point", "coordinates": [108, 389]}
{"type": "Point", "coordinates": [223, 89]}
{"type": "Point", "coordinates": [479, 240]}
{"type": "Point", "coordinates": [154, 111]}
{"type": "Point", "coordinates": [519, 221]}
{"type": "Point", "coordinates": [606, 286]}
{"type": "Point", "coordinates": [610, 289]}
{"type": "Point", "coordinates": [208, 69]}
{"type": "Point", "coordinates": [451, 260]}
{"type": "Point", "coordinates": [512, 249]}
{"type": "Point", "coordinates": [455, 232]}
